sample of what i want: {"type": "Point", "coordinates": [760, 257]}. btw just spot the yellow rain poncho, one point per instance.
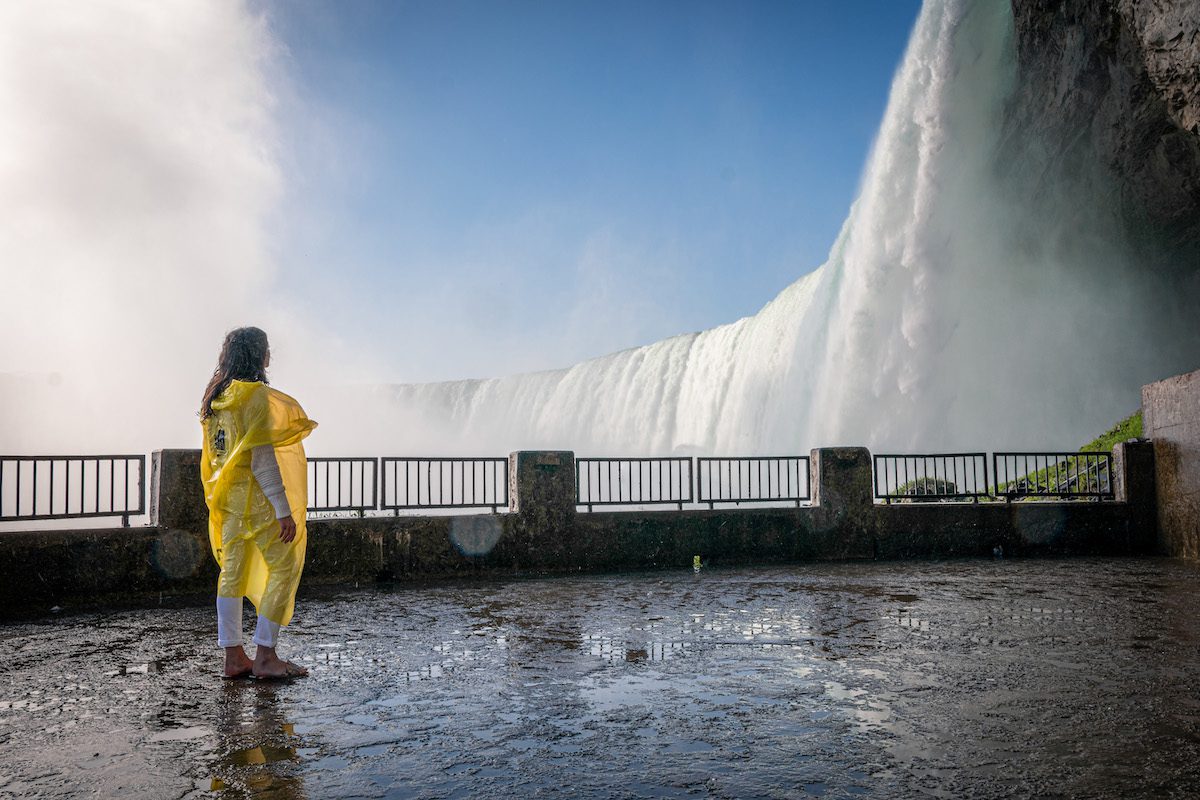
{"type": "Point", "coordinates": [242, 526]}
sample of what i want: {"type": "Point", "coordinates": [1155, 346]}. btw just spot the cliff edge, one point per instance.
{"type": "Point", "coordinates": [1115, 84]}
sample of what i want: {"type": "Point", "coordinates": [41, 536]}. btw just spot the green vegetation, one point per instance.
{"type": "Point", "coordinates": [928, 486]}
{"type": "Point", "coordinates": [1080, 473]}
{"type": "Point", "coordinates": [1128, 428]}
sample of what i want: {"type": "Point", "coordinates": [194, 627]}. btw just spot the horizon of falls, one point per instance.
{"type": "Point", "coordinates": [954, 312]}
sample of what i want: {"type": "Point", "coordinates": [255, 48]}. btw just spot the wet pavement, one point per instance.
{"type": "Point", "coordinates": [1072, 678]}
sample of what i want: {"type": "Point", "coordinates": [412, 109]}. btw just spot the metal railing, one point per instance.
{"type": "Point", "coordinates": [444, 483]}
{"type": "Point", "coordinates": [343, 484]}
{"type": "Point", "coordinates": [930, 477]}
{"type": "Point", "coordinates": [69, 487]}
{"type": "Point", "coordinates": [752, 479]}
{"type": "Point", "coordinates": [1068, 475]}
{"type": "Point", "coordinates": [633, 481]}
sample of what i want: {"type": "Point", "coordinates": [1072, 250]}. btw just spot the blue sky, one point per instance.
{"type": "Point", "coordinates": [489, 187]}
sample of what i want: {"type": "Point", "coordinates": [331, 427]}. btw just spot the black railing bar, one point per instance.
{"type": "Point", "coordinates": [343, 508]}
{"type": "Point", "coordinates": [73, 457]}
{"type": "Point", "coordinates": [403, 507]}
{"type": "Point", "coordinates": [641, 503]}
{"type": "Point", "coordinates": [76, 515]}
{"type": "Point", "coordinates": [126, 503]}
{"type": "Point", "coordinates": [626, 459]}
{"type": "Point", "coordinates": [336, 460]}
{"type": "Point", "coordinates": [705, 459]}
{"type": "Point", "coordinates": [926, 455]}
{"type": "Point", "coordinates": [387, 459]}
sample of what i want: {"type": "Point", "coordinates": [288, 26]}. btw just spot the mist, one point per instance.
{"type": "Point", "coordinates": [133, 206]}
{"type": "Point", "coordinates": [139, 197]}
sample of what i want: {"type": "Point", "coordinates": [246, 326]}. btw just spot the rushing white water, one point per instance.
{"type": "Point", "coordinates": [948, 316]}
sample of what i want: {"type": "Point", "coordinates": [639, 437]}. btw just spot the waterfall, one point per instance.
{"type": "Point", "coordinates": [958, 309]}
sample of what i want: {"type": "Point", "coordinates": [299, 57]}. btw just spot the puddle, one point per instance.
{"type": "Point", "coordinates": [834, 680]}
{"type": "Point", "coordinates": [182, 734]}
{"type": "Point", "coordinates": [262, 754]}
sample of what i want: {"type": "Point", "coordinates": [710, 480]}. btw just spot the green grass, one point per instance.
{"type": "Point", "coordinates": [1128, 428]}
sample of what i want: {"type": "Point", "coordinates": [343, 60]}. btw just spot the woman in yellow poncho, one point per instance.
{"type": "Point", "coordinates": [256, 485]}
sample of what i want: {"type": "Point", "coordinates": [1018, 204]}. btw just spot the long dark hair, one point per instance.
{"type": "Point", "coordinates": [243, 358]}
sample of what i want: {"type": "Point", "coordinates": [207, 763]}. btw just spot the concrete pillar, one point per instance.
{"type": "Point", "coordinates": [1133, 468]}
{"type": "Point", "coordinates": [176, 493]}
{"type": "Point", "coordinates": [542, 500]}
{"type": "Point", "coordinates": [542, 481]}
{"type": "Point", "coordinates": [1134, 483]}
{"type": "Point", "coordinates": [841, 479]}
{"type": "Point", "coordinates": [843, 522]}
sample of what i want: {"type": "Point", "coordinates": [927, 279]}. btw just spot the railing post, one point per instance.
{"type": "Point", "coordinates": [1133, 474]}
{"type": "Point", "coordinates": [541, 481]}
{"type": "Point", "coordinates": [842, 494]}
{"type": "Point", "coordinates": [542, 500]}
{"type": "Point", "coordinates": [841, 479]}
{"type": "Point", "coordinates": [176, 493]}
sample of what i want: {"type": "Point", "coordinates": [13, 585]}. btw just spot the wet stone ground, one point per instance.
{"type": "Point", "coordinates": [1073, 678]}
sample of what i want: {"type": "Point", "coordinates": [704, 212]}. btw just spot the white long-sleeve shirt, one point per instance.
{"type": "Point", "coordinates": [266, 471]}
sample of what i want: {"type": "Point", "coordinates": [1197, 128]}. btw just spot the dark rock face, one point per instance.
{"type": "Point", "coordinates": [1115, 84]}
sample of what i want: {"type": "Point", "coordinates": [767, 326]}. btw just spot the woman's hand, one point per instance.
{"type": "Point", "coordinates": [287, 529]}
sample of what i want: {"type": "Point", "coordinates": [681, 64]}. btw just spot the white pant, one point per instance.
{"type": "Point", "coordinates": [229, 625]}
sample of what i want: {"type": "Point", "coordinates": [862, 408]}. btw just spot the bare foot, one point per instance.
{"type": "Point", "coordinates": [267, 664]}
{"type": "Point", "coordinates": [237, 663]}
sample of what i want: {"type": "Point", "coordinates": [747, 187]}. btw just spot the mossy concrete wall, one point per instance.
{"type": "Point", "coordinates": [1171, 419]}
{"type": "Point", "coordinates": [543, 533]}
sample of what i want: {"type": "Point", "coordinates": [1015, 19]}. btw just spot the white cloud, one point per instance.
{"type": "Point", "coordinates": [138, 172]}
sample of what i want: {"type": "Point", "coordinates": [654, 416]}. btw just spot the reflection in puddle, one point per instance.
{"type": "Point", "coordinates": [262, 754]}
{"type": "Point", "coordinates": [257, 749]}
{"type": "Point", "coordinates": [142, 669]}
{"type": "Point", "coordinates": [628, 690]}
{"type": "Point", "coordinates": [610, 649]}
{"type": "Point", "coordinates": [182, 734]}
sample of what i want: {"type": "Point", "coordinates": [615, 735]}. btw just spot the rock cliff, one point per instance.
{"type": "Point", "coordinates": [1108, 98]}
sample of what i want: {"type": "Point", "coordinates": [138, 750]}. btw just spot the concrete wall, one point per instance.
{"type": "Point", "coordinates": [1171, 418]}
{"type": "Point", "coordinates": [544, 534]}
